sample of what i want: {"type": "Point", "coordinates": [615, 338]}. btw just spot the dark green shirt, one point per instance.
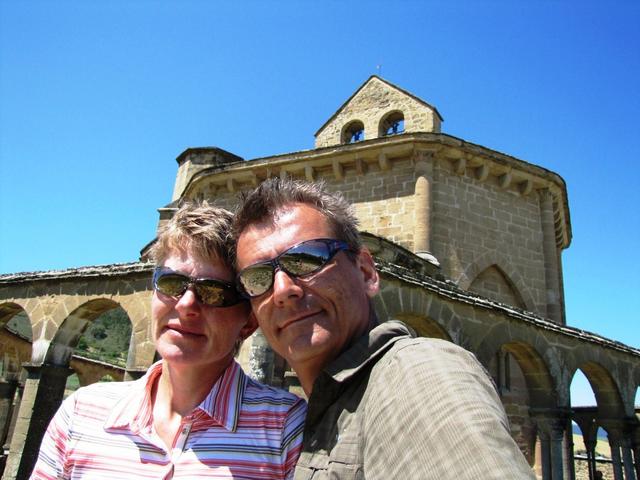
{"type": "Point", "coordinates": [397, 407]}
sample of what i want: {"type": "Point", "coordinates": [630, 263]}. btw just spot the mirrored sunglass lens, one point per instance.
{"type": "Point", "coordinates": [257, 279]}
{"type": "Point", "coordinates": [302, 263]}
{"type": "Point", "coordinates": [171, 284]}
{"type": "Point", "coordinates": [210, 294]}
{"type": "Point", "coordinates": [305, 259]}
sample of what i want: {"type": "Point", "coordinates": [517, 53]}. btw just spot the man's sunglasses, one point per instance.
{"type": "Point", "coordinates": [298, 261]}
{"type": "Point", "coordinates": [208, 291]}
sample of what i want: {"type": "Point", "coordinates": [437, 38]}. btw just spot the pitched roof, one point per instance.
{"type": "Point", "coordinates": [417, 99]}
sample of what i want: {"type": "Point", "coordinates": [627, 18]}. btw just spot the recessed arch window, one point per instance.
{"type": "Point", "coordinates": [353, 132]}
{"type": "Point", "coordinates": [392, 124]}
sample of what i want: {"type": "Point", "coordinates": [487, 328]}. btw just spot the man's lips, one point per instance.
{"type": "Point", "coordinates": [297, 318]}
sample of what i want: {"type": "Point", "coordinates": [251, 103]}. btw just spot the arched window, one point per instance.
{"type": "Point", "coordinates": [353, 132]}
{"type": "Point", "coordinates": [392, 124]}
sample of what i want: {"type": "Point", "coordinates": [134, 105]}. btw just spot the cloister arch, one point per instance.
{"type": "Point", "coordinates": [605, 388]}
{"type": "Point", "coordinates": [424, 326]}
{"type": "Point", "coordinates": [68, 334]}
{"type": "Point", "coordinates": [433, 317]}
{"type": "Point", "coordinates": [8, 310]}
{"type": "Point", "coordinates": [14, 353]}
{"type": "Point", "coordinates": [541, 386]}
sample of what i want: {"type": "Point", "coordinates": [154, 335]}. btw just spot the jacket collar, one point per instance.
{"type": "Point", "coordinates": [366, 349]}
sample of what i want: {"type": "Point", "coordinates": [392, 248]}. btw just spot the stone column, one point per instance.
{"type": "Point", "coordinates": [261, 359]}
{"type": "Point", "coordinates": [7, 392]}
{"type": "Point", "coordinates": [551, 258]}
{"type": "Point", "coordinates": [627, 460]}
{"type": "Point", "coordinates": [616, 460]}
{"type": "Point", "coordinates": [569, 465]}
{"type": "Point", "coordinates": [590, 444]}
{"type": "Point", "coordinates": [15, 407]}
{"type": "Point", "coordinates": [621, 442]}
{"type": "Point", "coordinates": [633, 433]}
{"type": "Point", "coordinates": [557, 451]}
{"type": "Point", "coordinates": [545, 454]}
{"type": "Point", "coordinates": [423, 204]}
{"type": "Point", "coordinates": [43, 392]}
{"type": "Point", "coordinates": [636, 455]}
{"type": "Point", "coordinates": [552, 425]}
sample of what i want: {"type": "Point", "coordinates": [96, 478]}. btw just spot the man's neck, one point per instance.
{"type": "Point", "coordinates": [309, 371]}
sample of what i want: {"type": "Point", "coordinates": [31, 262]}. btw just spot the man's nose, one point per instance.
{"type": "Point", "coordinates": [285, 288]}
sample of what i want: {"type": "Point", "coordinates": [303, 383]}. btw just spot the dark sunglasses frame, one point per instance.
{"type": "Point", "coordinates": [333, 247]}
{"type": "Point", "coordinates": [229, 293]}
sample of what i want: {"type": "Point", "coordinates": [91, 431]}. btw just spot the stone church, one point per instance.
{"type": "Point", "coordinates": [468, 241]}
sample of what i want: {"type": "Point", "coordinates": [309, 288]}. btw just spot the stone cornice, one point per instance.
{"type": "Point", "coordinates": [465, 158]}
{"type": "Point", "coordinates": [116, 269]}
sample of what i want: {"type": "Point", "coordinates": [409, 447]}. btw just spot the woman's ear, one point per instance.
{"type": "Point", "coordinates": [249, 327]}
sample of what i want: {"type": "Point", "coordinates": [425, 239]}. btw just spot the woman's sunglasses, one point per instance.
{"type": "Point", "coordinates": [208, 291]}
{"type": "Point", "coordinates": [298, 261]}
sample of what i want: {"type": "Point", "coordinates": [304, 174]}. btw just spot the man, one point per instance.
{"type": "Point", "coordinates": [382, 404]}
{"type": "Point", "coordinates": [195, 413]}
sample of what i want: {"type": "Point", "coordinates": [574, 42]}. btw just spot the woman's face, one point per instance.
{"type": "Point", "coordinates": [187, 332]}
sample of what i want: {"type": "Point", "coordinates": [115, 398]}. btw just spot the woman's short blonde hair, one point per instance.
{"type": "Point", "coordinates": [199, 229]}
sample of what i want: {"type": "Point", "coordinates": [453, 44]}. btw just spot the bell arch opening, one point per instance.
{"type": "Point", "coordinates": [353, 132]}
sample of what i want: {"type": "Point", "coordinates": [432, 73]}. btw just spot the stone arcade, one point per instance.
{"type": "Point", "coordinates": [468, 241]}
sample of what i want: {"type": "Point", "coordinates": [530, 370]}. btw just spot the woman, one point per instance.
{"type": "Point", "coordinates": [195, 413]}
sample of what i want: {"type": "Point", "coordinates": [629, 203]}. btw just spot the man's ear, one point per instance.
{"type": "Point", "coordinates": [368, 269]}
{"type": "Point", "coordinates": [249, 327]}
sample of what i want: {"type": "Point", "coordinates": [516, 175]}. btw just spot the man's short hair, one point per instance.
{"type": "Point", "coordinates": [262, 204]}
{"type": "Point", "coordinates": [199, 229]}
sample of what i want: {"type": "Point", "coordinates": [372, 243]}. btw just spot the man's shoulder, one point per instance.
{"type": "Point", "coordinates": [427, 345]}
{"type": "Point", "coordinates": [433, 353]}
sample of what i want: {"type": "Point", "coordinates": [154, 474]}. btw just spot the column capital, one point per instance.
{"type": "Point", "coordinates": [134, 373]}
{"type": "Point", "coordinates": [7, 386]}
{"type": "Point", "coordinates": [423, 161]}
{"type": "Point", "coordinates": [544, 193]}
{"type": "Point", "coordinates": [551, 421]}
{"type": "Point", "coordinates": [36, 370]}
{"type": "Point", "coordinates": [622, 431]}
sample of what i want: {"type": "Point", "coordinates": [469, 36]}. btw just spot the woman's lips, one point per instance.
{"type": "Point", "coordinates": [183, 330]}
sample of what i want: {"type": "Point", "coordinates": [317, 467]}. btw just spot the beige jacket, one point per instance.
{"type": "Point", "coordinates": [398, 407]}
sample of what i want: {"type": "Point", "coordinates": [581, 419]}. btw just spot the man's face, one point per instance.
{"type": "Point", "coordinates": [189, 333]}
{"type": "Point", "coordinates": [308, 320]}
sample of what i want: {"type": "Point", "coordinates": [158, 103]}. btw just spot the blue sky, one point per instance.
{"type": "Point", "coordinates": [98, 98]}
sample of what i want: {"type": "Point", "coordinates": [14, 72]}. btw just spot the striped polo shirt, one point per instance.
{"type": "Point", "coordinates": [242, 429]}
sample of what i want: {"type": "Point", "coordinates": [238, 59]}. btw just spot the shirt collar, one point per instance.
{"type": "Point", "coordinates": [366, 349]}
{"type": "Point", "coordinates": [222, 404]}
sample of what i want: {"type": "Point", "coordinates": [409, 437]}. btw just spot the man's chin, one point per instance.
{"type": "Point", "coordinates": [307, 347]}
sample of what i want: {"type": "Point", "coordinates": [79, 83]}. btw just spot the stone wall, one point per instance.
{"type": "Point", "coordinates": [477, 225]}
